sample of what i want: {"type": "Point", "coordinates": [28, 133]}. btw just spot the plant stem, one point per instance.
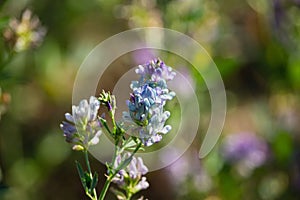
{"type": "Point", "coordinates": [105, 188]}
{"type": "Point", "coordinates": [129, 194]}
{"type": "Point", "coordinates": [86, 155]}
{"type": "Point", "coordinates": [108, 180]}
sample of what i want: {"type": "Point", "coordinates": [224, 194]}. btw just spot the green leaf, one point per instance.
{"type": "Point", "coordinates": [124, 163]}
{"type": "Point", "coordinates": [104, 123]}
{"type": "Point", "coordinates": [80, 170]}
{"type": "Point", "coordinates": [86, 179]}
{"type": "Point", "coordinates": [127, 160]}
{"type": "Point", "coordinates": [130, 144]}
{"type": "Point", "coordinates": [133, 148]}
{"type": "Point", "coordinates": [94, 181]}
{"type": "Point", "coordinates": [88, 182]}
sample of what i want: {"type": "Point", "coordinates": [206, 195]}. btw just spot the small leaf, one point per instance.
{"type": "Point", "coordinates": [81, 174]}
{"type": "Point", "coordinates": [133, 148]}
{"type": "Point", "coordinates": [88, 181]}
{"type": "Point", "coordinates": [126, 162]}
{"type": "Point", "coordinates": [94, 181]}
{"type": "Point", "coordinates": [130, 144]}
{"type": "Point", "coordinates": [79, 169]}
{"type": "Point", "coordinates": [104, 123]}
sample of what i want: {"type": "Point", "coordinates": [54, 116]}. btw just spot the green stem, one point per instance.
{"type": "Point", "coordinates": [129, 195]}
{"type": "Point", "coordinates": [128, 192]}
{"type": "Point", "coordinates": [108, 180]}
{"type": "Point", "coordinates": [106, 126]}
{"type": "Point", "coordinates": [105, 188]}
{"type": "Point", "coordinates": [86, 155]}
{"type": "Point", "coordinates": [115, 154]}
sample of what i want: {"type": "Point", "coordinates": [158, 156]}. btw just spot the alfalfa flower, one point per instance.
{"type": "Point", "coordinates": [25, 33]}
{"type": "Point", "coordinates": [131, 179]}
{"type": "Point", "coordinates": [155, 70]}
{"type": "Point", "coordinates": [147, 101]}
{"type": "Point", "coordinates": [83, 127]}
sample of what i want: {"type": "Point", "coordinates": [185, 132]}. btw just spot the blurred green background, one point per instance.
{"type": "Point", "coordinates": [255, 44]}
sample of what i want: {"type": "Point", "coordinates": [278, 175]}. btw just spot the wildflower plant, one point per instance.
{"type": "Point", "coordinates": [144, 124]}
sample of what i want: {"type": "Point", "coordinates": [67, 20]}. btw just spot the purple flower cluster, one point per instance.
{"type": "Point", "coordinates": [83, 127]}
{"type": "Point", "coordinates": [155, 71]}
{"type": "Point", "coordinates": [132, 176]}
{"type": "Point", "coordinates": [147, 101]}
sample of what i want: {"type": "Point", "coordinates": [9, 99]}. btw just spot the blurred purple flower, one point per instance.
{"type": "Point", "coordinates": [25, 33]}
{"type": "Point", "coordinates": [189, 168]}
{"type": "Point", "coordinates": [246, 150]}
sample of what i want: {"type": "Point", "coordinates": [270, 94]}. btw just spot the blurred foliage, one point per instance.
{"type": "Point", "coordinates": [255, 44]}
